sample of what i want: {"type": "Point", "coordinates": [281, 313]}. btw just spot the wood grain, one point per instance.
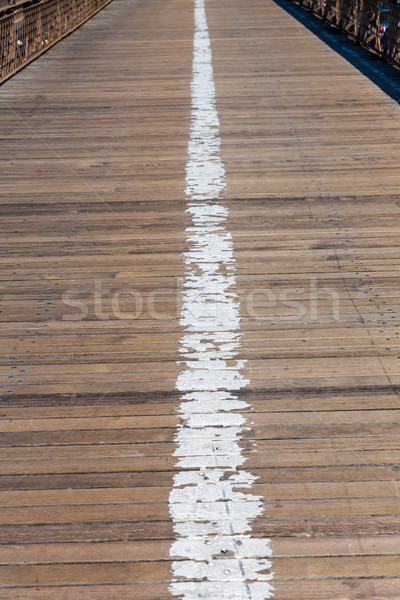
{"type": "Point", "coordinates": [92, 199]}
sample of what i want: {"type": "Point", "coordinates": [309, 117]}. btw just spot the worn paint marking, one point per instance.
{"type": "Point", "coordinates": [218, 558]}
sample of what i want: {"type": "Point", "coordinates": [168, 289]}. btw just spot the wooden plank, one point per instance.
{"type": "Point", "coordinates": [92, 200]}
{"type": "Point", "coordinates": [142, 571]}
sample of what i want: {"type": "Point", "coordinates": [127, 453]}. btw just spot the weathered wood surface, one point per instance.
{"type": "Point", "coordinates": [93, 174]}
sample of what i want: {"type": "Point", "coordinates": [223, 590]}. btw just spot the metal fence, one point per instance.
{"type": "Point", "coordinates": [29, 29]}
{"type": "Point", "coordinates": [373, 23]}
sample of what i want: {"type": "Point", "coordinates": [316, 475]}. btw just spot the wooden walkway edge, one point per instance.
{"type": "Point", "coordinates": [95, 233]}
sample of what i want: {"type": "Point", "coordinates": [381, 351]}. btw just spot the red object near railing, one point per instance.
{"type": "Point", "coordinates": [375, 24]}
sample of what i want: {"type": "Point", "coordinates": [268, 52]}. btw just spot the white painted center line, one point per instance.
{"type": "Point", "coordinates": [218, 558]}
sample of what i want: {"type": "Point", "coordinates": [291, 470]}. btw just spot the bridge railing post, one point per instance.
{"type": "Point", "coordinates": [29, 27]}
{"type": "Point", "coordinates": [373, 23]}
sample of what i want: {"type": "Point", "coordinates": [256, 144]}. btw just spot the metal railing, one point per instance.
{"type": "Point", "coordinates": [373, 23]}
{"type": "Point", "coordinates": [29, 28]}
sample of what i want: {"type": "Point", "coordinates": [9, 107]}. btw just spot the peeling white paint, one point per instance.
{"type": "Point", "coordinates": [216, 556]}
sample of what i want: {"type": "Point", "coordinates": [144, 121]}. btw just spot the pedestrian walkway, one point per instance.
{"type": "Point", "coordinates": [200, 312]}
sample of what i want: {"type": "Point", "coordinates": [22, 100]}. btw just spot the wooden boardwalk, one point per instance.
{"type": "Point", "coordinates": [94, 152]}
